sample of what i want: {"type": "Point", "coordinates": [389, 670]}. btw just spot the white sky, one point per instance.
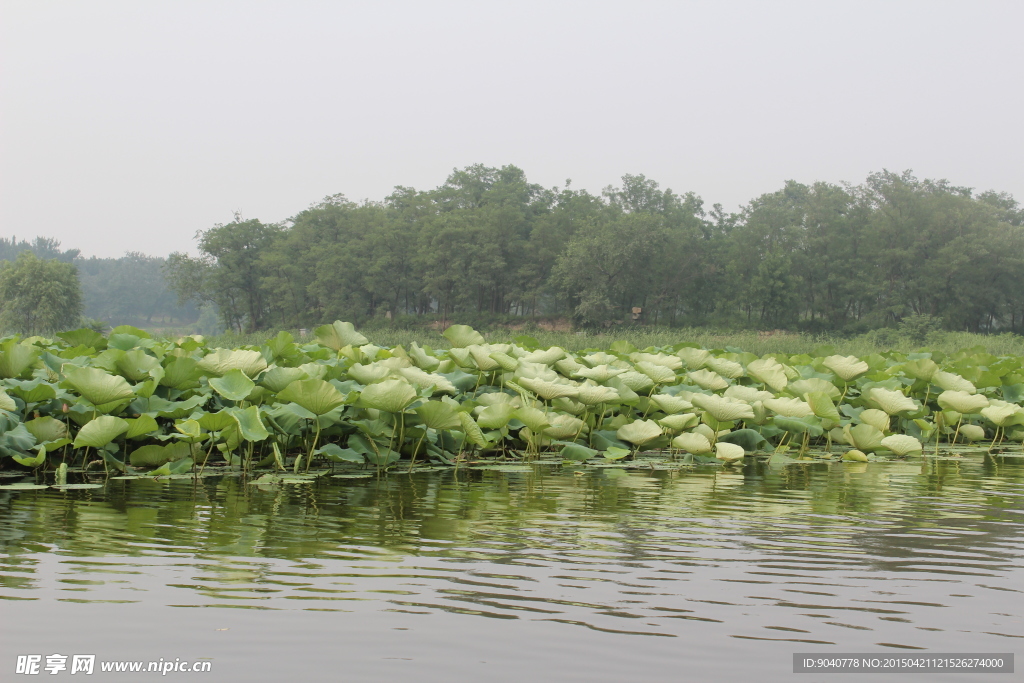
{"type": "Point", "coordinates": [128, 125]}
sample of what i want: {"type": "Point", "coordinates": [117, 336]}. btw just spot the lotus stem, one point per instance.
{"type": "Point", "coordinates": [957, 432]}
{"type": "Point", "coordinates": [316, 438]}
{"type": "Point", "coordinates": [412, 461]}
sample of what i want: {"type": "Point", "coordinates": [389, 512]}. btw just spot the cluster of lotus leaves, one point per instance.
{"type": "Point", "coordinates": [142, 402]}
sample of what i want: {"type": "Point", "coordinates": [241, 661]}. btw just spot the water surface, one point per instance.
{"type": "Point", "coordinates": [544, 572]}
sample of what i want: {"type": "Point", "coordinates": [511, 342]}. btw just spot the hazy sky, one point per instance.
{"type": "Point", "coordinates": [131, 125]}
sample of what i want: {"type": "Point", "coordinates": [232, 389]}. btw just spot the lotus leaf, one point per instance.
{"type": "Point", "coordinates": [36, 460]}
{"type": "Point", "coordinates": [706, 379]}
{"type": "Point", "coordinates": [806, 386]}
{"type": "Point", "coordinates": [141, 426]}
{"type": "Point", "coordinates": [962, 401]}
{"type": "Point", "coordinates": [495, 416]}
{"type": "Point", "coordinates": [892, 402]}
{"type": "Point", "coordinates": [901, 444]}
{"type": "Point", "coordinates": [863, 437]}
{"type": "Point", "coordinates": [100, 431]}
{"type": "Point", "coordinates": [315, 395]}
{"type": "Point", "coordinates": [46, 428]}
{"type": "Point", "coordinates": [472, 431]}
{"type": "Point", "coordinates": [724, 367]}
{"type": "Point", "coordinates": [98, 387]}
{"type": "Point", "coordinates": [250, 425]}
{"type": "Point", "coordinates": [770, 372]}
{"type": "Point", "coordinates": [723, 409]}
{"type": "Point", "coordinates": [671, 404]}
{"type": "Point", "coordinates": [747, 394]}
{"type": "Point", "coordinates": [336, 453]}
{"type": "Point", "coordinates": [422, 359]}
{"type": "Point", "coordinates": [789, 407]}
{"type": "Point", "coordinates": [659, 374]}
{"type": "Point", "coordinates": [846, 368]}
{"type": "Point", "coordinates": [563, 426]}
{"type": "Point", "coordinates": [729, 452]}
{"type": "Point", "coordinates": [504, 361]}
{"type": "Point", "coordinates": [853, 455]}
{"type": "Point", "coordinates": [460, 336]}
{"type": "Point", "coordinates": [6, 402]}
{"type": "Point", "coordinates": [155, 456]}
{"type": "Point", "coordinates": [921, 368]}
{"type": "Point", "coordinates": [600, 373]}
{"type": "Point", "coordinates": [221, 361]}
{"type": "Point", "coordinates": [576, 452]}
{"type": "Point", "coordinates": [694, 358]}
{"type": "Point", "coordinates": [426, 380]}
{"type": "Point", "coordinates": [953, 382]}
{"type": "Point", "coordinates": [233, 385]}
{"type": "Point", "coordinates": [84, 337]}
{"type": "Point", "coordinates": [591, 394]}
{"type": "Point", "coordinates": [972, 432]}
{"type": "Point", "coordinates": [181, 372]}
{"type": "Point", "coordinates": [338, 335]}
{"type": "Point", "coordinates": [549, 390]}
{"type": "Point", "coordinates": [821, 404]}
{"type": "Point", "coordinates": [679, 422]}
{"type": "Point", "coordinates": [640, 432]}
{"type": "Point", "coordinates": [615, 453]}
{"type": "Point", "coordinates": [369, 374]}
{"type": "Point", "coordinates": [692, 442]}
{"type": "Point", "coordinates": [16, 359]}
{"type": "Point", "coordinates": [31, 391]}
{"type": "Point", "coordinates": [546, 356]}
{"type": "Point", "coordinates": [876, 418]}
{"type": "Point", "coordinates": [277, 378]}
{"type": "Point", "coordinates": [1002, 414]}
{"type": "Point", "coordinates": [172, 468]}
{"type": "Point", "coordinates": [439, 415]}
{"type": "Point", "coordinates": [626, 395]}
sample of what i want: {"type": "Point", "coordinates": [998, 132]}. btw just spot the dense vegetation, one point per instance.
{"type": "Point", "coordinates": [130, 401]}
{"type": "Point", "coordinates": [130, 290]}
{"type": "Point", "coordinates": [488, 244]}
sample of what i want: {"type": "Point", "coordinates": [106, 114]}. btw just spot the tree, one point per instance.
{"type": "Point", "coordinates": [39, 296]}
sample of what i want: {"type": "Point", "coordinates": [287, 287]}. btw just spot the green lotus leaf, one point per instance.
{"type": "Point", "coordinates": [504, 361]}
{"type": "Point", "coordinates": [97, 386]}
{"type": "Point", "coordinates": [769, 372]}
{"type": "Point", "coordinates": [250, 425]}
{"type": "Point", "coordinates": [892, 402]}
{"type": "Point", "coordinates": [563, 426]}
{"type": "Point", "coordinates": [549, 390]}
{"type": "Point", "coordinates": [480, 354]}
{"type": "Point", "coordinates": [155, 456]}
{"type": "Point", "coordinates": [439, 415]}
{"type": "Point", "coordinates": [640, 432]}
{"type": "Point", "coordinates": [338, 335]}
{"type": "Point", "coordinates": [495, 416]}
{"type": "Point", "coordinates": [877, 418]}
{"type": "Point", "coordinates": [422, 359]}
{"type": "Point", "coordinates": [665, 360]}
{"type": "Point", "coordinates": [694, 358]}
{"type": "Point", "coordinates": [821, 404]}
{"type": "Point", "coordinates": [725, 367]}
{"type": "Point", "coordinates": [46, 428]}
{"type": "Point", "coordinates": [1001, 414]}
{"type": "Point", "coordinates": [172, 468]}
{"type": "Point", "coordinates": [33, 461]}
{"type": "Point", "coordinates": [636, 381]}
{"type": "Point", "coordinates": [789, 407]}
{"type": "Point", "coordinates": [921, 368]}
{"type": "Point", "coordinates": [369, 374]}
{"type": "Point", "coordinates": [135, 365]}
{"type": "Point", "coordinates": [671, 404]}
{"type": "Point", "coordinates": [461, 336]}
{"type": "Point", "coordinates": [972, 432]}
{"type": "Point", "coordinates": [729, 452]}
{"type": "Point", "coordinates": [806, 386]}
{"type": "Point", "coordinates": [962, 401]}
{"type": "Point", "coordinates": [315, 395]}
{"type": "Point", "coordinates": [141, 426]}
{"type": "Point", "coordinates": [544, 356]}
{"type": "Point", "coordinates": [462, 358]}
{"type": "Point", "coordinates": [175, 409]}
{"type": "Point", "coordinates": [16, 359]}
{"type": "Point", "coordinates": [799, 425]}
{"type": "Point", "coordinates": [659, 374]}
{"type": "Point", "coordinates": [864, 437]}
{"type": "Point", "coordinates": [615, 453]}
{"type": "Point", "coordinates": [576, 452]}
{"type": "Point", "coordinates": [336, 453]}
{"type": "Point", "coordinates": [222, 361]}
{"type": "Point", "coordinates": [84, 337]}
{"type": "Point", "coordinates": [901, 444]}
{"type": "Point", "coordinates": [591, 394]}
{"type": "Point", "coordinates": [723, 409]}
{"type": "Point", "coordinates": [846, 368]}
{"type": "Point", "coordinates": [747, 394]}
{"type": "Point", "coordinates": [391, 395]}
{"type": "Point", "coordinates": [100, 431]}
{"type": "Point", "coordinates": [749, 439]}
{"type": "Point", "coordinates": [181, 372]}
{"type": "Point", "coordinates": [31, 390]}
{"type": "Point", "coordinates": [536, 420]}
{"type": "Point", "coordinates": [679, 421]}
{"type": "Point", "coordinates": [600, 373]}
{"type": "Point", "coordinates": [427, 380]}
{"type": "Point", "coordinates": [6, 402]}
{"type": "Point", "coordinates": [212, 422]}
{"type": "Point", "coordinates": [706, 379]}
{"type": "Point", "coordinates": [952, 382]}
{"type": "Point", "coordinates": [692, 442]}
{"type": "Point", "coordinates": [472, 431]}
{"type": "Point", "coordinates": [853, 455]}
{"type": "Point", "coordinates": [277, 378]}
{"type": "Point", "coordinates": [233, 385]}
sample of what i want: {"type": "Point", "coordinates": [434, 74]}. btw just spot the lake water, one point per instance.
{"type": "Point", "coordinates": [538, 573]}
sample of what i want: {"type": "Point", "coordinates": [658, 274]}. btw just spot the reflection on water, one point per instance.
{"type": "Point", "coordinates": [840, 557]}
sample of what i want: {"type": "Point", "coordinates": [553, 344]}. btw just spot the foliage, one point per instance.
{"type": "Point", "coordinates": [38, 296]}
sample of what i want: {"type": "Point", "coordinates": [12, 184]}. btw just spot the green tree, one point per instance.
{"type": "Point", "coordinates": [39, 296]}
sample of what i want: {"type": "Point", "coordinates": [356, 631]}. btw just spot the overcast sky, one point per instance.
{"type": "Point", "coordinates": [128, 125]}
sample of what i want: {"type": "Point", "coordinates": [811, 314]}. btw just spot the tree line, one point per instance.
{"type": "Point", "coordinates": [819, 257]}
{"type": "Point", "coordinates": [44, 288]}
